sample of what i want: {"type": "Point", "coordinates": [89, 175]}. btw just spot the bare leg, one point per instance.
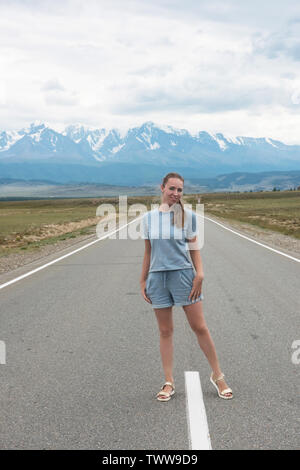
{"type": "Point", "coordinates": [194, 314]}
{"type": "Point", "coordinates": [165, 325]}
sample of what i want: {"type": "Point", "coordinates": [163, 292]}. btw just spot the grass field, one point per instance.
{"type": "Point", "coordinates": [26, 225]}
{"type": "Point", "coordinates": [276, 210]}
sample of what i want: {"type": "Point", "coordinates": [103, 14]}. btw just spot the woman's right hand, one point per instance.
{"type": "Point", "coordinates": [144, 293]}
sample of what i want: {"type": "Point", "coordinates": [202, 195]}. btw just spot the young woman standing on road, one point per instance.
{"type": "Point", "coordinates": [168, 278]}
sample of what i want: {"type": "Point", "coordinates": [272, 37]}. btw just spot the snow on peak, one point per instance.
{"type": "Point", "coordinates": [148, 124]}
{"type": "Point", "coordinates": [33, 127]}
{"type": "Point", "coordinates": [270, 142]}
{"type": "Point", "coordinates": [121, 132]}
{"type": "Point", "coordinates": [232, 139]}
{"type": "Point", "coordinates": [96, 139]}
{"type": "Point", "coordinates": [38, 124]}
{"type": "Point", "coordinates": [117, 148]}
{"type": "Point", "coordinates": [166, 129]}
{"type": "Point", "coordinates": [36, 136]}
{"type": "Point", "coordinates": [75, 130]}
{"type": "Point", "coordinates": [8, 138]}
{"type": "Point", "coordinates": [145, 138]}
{"type": "Point", "coordinates": [220, 140]}
{"type": "Point", "coordinates": [171, 130]}
{"type": "Point", "coordinates": [154, 146]}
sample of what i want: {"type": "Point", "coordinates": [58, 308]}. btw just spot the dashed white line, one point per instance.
{"type": "Point", "coordinates": [196, 415]}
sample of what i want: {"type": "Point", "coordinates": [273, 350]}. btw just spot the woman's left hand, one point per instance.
{"type": "Point", "coordinates": [197, 287]}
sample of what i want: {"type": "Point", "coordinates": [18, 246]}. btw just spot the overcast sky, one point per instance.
{"type": "Point", "coordinates": [229, 66]}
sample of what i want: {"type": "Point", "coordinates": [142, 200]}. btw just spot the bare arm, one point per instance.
{"type": "Point", "coordinates": [197, 261]}
{"type": "Point", "coordinates": [198, 279]}
{"type": "Point", "coordinates": [145, 270]}
{"type": "Point", "coordinates": [146, 261]}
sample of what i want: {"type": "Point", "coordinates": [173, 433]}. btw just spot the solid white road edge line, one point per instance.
{"type": "Point", "coordinates": [64, 256]}
{"type": "Point", "coordinates": [254, 241]}
{"type": "Point", "coordinates": [196, 415]}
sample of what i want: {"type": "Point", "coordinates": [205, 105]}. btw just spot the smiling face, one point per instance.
{"type": "Point", "coordinates": [172, 191]}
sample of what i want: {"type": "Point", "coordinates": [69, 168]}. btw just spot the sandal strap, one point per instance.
{"type": "Point", "coordinates": [164, 394]}
{"type": "Point", "coordinates": [221, 377]}
{"type": "Point", "coordinates": [227, 390]}
{"type": "Point", "coordinates": [168, 383]}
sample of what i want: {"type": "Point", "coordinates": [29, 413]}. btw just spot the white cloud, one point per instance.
{"type": "Point", "coordinates": [53, 84]}
{"type": "Point", "coordinates": [57, 99]}
{"type": "Point", "coordinates": [2, 92]}
{"type": "Point", "coordinates": [217, 66]}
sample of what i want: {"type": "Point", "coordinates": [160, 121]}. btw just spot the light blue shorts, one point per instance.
{"type": "Point", "coordinates": [168, 288]}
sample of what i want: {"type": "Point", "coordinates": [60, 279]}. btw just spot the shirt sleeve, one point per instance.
{"type": "Point", "coordinates": [192, 225]}
{"type": "Point", "coordinates": [145, 227]}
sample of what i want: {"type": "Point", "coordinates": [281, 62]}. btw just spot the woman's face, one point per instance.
{"type": "Point", "coordinates": [172, 191]}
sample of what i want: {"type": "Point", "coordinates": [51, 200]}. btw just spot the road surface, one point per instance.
{"type": "Point", "coordinates": [82, 352]}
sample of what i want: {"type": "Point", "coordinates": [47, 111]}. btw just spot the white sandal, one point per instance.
{"type": "Point", "coordinates": [227, 390]}
{"type": "Point", "coordinates": [167, 395]}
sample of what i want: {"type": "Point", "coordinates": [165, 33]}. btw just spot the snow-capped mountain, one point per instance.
{"type": "Point", "coordinates": [111, 156]}
{"type": "Point", "coordinates": [88, 140]}
{"type": "Point", "coordinates": [165, 145]}
{"type": "Point", "coordinates": [39, 143]}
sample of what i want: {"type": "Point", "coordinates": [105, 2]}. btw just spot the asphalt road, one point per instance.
{"type": "Point", "coordinates": [83, 363]}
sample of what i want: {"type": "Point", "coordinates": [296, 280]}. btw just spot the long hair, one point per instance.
{"type": "Point", "coordinates": [177, 208]}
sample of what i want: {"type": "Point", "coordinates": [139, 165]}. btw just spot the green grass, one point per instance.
{"type": "Point", "coordinates": [278, 210]}
{"type": "Point", "coordinates": [20, 219]}
{"type": "Point", "coordinates": [23, 217]}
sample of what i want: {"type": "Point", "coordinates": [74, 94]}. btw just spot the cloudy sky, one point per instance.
{"type": "Point", "coordinates": [229, 66]}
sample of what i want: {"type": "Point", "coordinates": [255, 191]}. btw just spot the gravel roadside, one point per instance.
{"type": "Point", "coordinates": [276, 240]}
{"type": "Point", "coordinates": [13, 261]}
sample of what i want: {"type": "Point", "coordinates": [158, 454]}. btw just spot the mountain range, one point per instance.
{"type": "Point", "coordinates": [140, 156]}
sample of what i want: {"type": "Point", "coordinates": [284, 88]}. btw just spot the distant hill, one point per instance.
{"type": "Point", "coordinates": [264, 181]}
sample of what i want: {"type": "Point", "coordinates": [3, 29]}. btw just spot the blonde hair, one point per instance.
{"type": "Point", "coordinates": [177, 208]}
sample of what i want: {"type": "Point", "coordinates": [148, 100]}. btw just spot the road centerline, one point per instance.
{"type": "Point", "coordinates": [199, 436]}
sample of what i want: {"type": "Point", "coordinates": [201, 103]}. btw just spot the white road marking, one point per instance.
{"type": "Point", "coordinates": [64, 256]}
{"type": "Point", "coordinates": [254, 241]}
{"type": "Point", "coordinates": [196, 415]}
{"type": "Point", "coordinates": [2, 352]}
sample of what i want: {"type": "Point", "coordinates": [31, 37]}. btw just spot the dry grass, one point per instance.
{"type": "Point", "coordinates": [25, 225]}
{"type": "Point", "coordinates": [278, 211]}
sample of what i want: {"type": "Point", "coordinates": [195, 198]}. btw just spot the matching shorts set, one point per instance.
{"type": "Point", "coordinates": [171, 272]}
{"type": "Point", "coordinates": [167, 288]}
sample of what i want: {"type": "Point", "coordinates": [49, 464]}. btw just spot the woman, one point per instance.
{"type": "Point", "coordinates": [168, 278]}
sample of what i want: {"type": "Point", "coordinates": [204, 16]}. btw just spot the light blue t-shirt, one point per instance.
{"type": "Point", "coordinates": [169, 246]}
